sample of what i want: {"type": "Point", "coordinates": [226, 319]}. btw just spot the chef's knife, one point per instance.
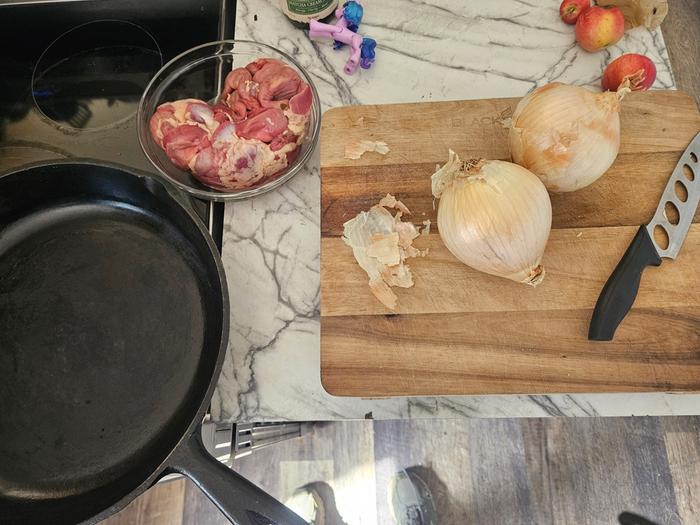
{"type": "Point", "coordinates": [619, 293]}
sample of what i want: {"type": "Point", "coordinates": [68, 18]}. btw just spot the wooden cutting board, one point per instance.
{"type": "Point", "coordinates": [458, 331]}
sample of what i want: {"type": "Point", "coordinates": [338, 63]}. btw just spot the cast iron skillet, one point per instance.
{"type": "Point", "coordinates": [113, 327]}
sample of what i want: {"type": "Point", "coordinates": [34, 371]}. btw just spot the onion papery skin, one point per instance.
{"type": "Point", "coordinates": [566, 135]}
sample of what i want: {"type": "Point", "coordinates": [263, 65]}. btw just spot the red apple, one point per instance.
{"type": "Point", "coordinates": [598, 27]}
{"type": "Point", "coordinates": [638, 69]}
{"type": "Point", "coordinates": [569, 10]}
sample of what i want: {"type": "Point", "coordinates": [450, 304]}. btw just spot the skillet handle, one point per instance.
{"type": "Point", "coordinates": [242, 502]}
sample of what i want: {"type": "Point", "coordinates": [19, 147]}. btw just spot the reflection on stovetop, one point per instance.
{"type": "Point", "coordinates": [73, 72]}
{"type": "Point", "coordinates": [92, 86]}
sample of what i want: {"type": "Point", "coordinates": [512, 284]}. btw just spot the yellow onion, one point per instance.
{"type": "Point", "coordinates": [494, 216]}
{"type": "Point", "coordinates": [566, 135]}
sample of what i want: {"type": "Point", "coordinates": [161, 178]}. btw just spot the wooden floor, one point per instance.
{"type": "Point", "coordinates": [481, 471]}
{"type": "Point", "coordinates": [681, 30]}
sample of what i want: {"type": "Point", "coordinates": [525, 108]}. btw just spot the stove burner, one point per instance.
{"type": "Point", "coordinates": [93, 75]}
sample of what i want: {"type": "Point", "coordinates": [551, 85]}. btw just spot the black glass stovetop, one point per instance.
{"type": "Point", "coordinates": [72, 72]}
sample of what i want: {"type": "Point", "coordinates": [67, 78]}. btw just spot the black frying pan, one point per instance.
{"type": "Point", "coordinates": [113, 327]}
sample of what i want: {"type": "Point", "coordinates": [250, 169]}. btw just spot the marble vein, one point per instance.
{"type": "Point", "coordinates": [428, 50]}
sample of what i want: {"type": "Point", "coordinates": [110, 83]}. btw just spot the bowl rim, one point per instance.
{"type": "Point", "coordinates": [218, 195]}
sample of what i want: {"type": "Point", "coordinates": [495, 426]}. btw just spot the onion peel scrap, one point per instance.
{"type": "Point", "coordinates": [381, 243]}
{"type": "Point", "coordinates": [355, 150]}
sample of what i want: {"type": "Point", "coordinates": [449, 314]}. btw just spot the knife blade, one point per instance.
{"type": "Point", "coordinates": [682, 192]}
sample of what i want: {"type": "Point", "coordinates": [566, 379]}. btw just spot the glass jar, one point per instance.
{"type": "Point", "coordinates": [302, 11]}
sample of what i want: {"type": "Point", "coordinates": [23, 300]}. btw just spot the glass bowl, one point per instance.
{"type": "Point", "coordinates": [199, 73]}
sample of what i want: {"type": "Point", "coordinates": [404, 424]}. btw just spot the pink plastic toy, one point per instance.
{"type": "Point", "coordinates": [361, 49]}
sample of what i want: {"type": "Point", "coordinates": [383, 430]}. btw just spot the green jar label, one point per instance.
{"type": "Point", "coordinates": [308, 7]}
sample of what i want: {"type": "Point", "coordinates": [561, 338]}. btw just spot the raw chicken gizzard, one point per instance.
{"type": "Point", "coordinates": [252, 133]}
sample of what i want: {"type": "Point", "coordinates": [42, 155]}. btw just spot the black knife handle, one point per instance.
{"type": "Point", "coordinates": [620, 291]}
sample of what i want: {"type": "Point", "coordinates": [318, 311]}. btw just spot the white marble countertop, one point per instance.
{"type": "Point", "coordinates": [427, 50]}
